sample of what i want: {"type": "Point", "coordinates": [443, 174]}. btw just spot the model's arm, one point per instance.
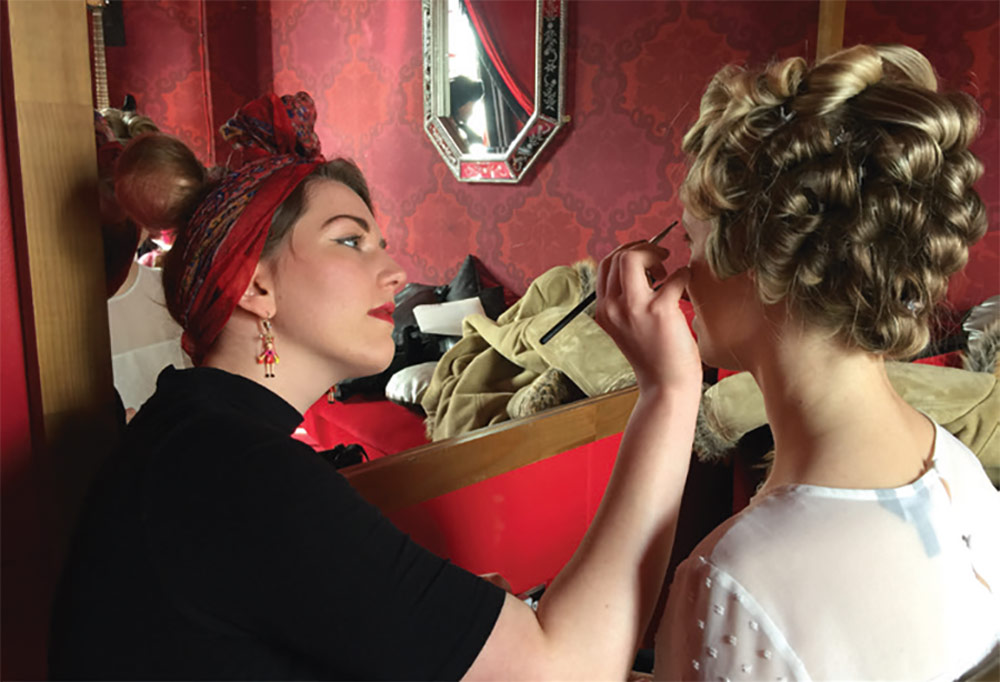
{"type": "Point", "coordinates": [591, 618]}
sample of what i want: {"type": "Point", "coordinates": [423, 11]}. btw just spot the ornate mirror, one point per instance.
{"type": "Point", "coordinates": [494, 78]}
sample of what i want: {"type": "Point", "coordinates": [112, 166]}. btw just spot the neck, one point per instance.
{"type": "Point", "coordinates": [835, 417]}
{"type": "Point", "coordinates": [295, 380]}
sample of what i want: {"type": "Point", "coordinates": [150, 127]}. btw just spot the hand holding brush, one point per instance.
{"type": "Point", "coordinates": [580, 307]}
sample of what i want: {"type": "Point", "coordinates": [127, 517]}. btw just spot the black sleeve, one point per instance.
{"type": "Point", "coordinates": [273, 541]}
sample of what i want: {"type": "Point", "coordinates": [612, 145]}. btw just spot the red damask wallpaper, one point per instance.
{"type": "Point", "coordinates": [635, 74]}
{"type": "Point", "coordinates": [164, 65]}
{"type": "Point", "coordinates": [635, 70]}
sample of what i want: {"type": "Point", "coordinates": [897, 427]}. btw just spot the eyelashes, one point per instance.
{"type": "Point", "coordinates": [353, 241]}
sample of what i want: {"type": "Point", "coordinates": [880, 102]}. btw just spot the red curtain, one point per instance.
{"type": "Point", "coordinates": [506, 29]}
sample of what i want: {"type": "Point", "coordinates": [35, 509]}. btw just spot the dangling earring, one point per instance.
{"type": "Point", "coordinates": [268, 357]}
{"type": "Point", "coordinates": [331, 395]}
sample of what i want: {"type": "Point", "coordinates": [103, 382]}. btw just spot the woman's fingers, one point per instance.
{"type": "Point", "coordinates": [604, 275]}
{"type": "Point", "coordinates": [625, 283]}
{"type": "Point", "coordinates": [675, 285]}
{"type": "Point", "coordinates": [639, 268]}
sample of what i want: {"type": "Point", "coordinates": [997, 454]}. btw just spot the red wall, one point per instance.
{"type": "Point", "coordinates": [635, 72]}
{"type": "Point", "coordinates": [165, 66]}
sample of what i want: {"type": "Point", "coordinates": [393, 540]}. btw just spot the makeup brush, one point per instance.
{"type": "Point", "coordinates": [591, 297]}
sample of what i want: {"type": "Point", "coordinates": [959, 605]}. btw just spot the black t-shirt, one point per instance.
{"type": "Point", "coordinates": [214, 546]}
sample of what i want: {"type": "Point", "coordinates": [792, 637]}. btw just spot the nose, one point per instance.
{"type": "Point", "coordinates": [392, 275]}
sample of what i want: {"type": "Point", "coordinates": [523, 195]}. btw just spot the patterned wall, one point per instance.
{"type": "Point", "coordinates": [635, 69]}
{"type": "Point", "coordinates": [163, 64]}
{"type": "Point", "coordinates": [635, 73]}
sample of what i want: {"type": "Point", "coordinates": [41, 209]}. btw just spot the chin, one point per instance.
{"type": "Point", "coordinates": [358, 365]}
{"type": "Point", "coordinates": [719, 359]}
{"type": "Point", "coordinates": [381, 363]}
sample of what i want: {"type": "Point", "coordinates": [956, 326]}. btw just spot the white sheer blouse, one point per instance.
{"type": "Point", "coordinates": [825, 583]}
{"type": "Point", "coordinates": [144, 338]}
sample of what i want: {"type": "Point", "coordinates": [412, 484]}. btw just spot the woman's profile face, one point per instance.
{"type": "Point", "coordinates": [334, 286]}
{"type": "Point", "coordinates": [728, 315]}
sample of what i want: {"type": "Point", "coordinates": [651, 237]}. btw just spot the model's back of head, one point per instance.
{"type": "Point", "coordinates": [845, 188]}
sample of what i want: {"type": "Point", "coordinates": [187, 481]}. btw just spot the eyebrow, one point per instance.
{"type": "Point", "coordinates": [362, 223]}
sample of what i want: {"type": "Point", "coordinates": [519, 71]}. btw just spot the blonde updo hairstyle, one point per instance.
{"type": "Point", "coordinates": [845, 189]}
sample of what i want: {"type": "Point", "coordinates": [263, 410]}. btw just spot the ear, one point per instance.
{"type": "Point", "coordinates": [259, 298]}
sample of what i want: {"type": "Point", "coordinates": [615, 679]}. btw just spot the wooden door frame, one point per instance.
{"type": "Point", "coordinates": [53, 185]}
{"type": "Point", "coordinates": [830, 27]}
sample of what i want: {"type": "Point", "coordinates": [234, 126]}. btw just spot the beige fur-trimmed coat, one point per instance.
{"type": "Point", "coordinates": [499, 370]}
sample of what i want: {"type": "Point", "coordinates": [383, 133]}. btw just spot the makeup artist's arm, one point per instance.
{"type": "Point", "coordinates": [591, 618]}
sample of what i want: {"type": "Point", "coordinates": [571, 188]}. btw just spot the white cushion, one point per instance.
{"type": "Point", "coordinates": [408, 384]}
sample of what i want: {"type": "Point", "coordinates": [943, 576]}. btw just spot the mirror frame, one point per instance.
{"type": "Point", "coordinates": [510, 165]}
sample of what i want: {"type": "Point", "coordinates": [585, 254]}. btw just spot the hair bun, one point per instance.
{"type": "Point", "coordinates": [158, 181]}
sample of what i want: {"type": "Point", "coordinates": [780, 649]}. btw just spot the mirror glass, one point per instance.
{"type": "Point", "coordinates": [507, 127]}
{"type": "Point", "coordinates": [494, 74]}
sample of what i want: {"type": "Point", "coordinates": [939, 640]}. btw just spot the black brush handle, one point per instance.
{"type": "Point", "coordinates": [568, 317]}
{"type": "Point", "coordinates": [591, 297]}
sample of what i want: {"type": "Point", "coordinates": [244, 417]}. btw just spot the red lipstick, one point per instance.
{"type": "Point", "coordinates": [384, 312]}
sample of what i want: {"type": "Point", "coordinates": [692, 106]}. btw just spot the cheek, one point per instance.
{"type": "Point", "coordinates": [699, 286]}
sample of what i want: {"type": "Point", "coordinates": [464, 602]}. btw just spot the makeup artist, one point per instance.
{"type": "Point", "coordinates": [214, 546]}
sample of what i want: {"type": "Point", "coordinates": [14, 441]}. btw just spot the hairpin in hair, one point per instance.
{"type": "Point", "coordinates": [786, 116]}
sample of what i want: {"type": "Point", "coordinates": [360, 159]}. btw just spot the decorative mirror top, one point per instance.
{"type": "Point", "coordinates": [494, 73]}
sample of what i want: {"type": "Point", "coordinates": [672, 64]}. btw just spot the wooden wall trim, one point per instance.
{"type": "Point", "coordinates": [830, 31]}
{"type": "Point", "coordinates": [54, 178]}
{"type": "Point", "coordinates": [411, 477]}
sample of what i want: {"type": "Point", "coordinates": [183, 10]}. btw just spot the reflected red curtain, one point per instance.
{"type": "Point", "coordinates": [506, 29]}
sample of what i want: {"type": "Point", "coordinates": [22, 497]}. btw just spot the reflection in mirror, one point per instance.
{"type": "Point", "coordinates": [144, 337]}
{"type": "Point", "coordinates": [493, 83]}
{"type": "Point", "coordinates": [490, 71]}
{"type": "Point", "coordinates": [506, 128]}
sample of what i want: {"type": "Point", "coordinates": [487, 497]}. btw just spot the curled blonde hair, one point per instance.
{"type": "Point", "coordinates": [846, 188]}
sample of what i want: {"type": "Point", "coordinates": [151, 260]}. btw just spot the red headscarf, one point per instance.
{"type": "Point", "coordinates": [226, 235]}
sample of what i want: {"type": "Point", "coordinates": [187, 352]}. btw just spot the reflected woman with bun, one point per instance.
{"type": "Point", "coordinates": [215, 546]}
{"type": "Point", "coordinates": [826, 208]}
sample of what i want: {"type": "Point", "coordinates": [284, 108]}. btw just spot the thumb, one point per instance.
{"type": "Point", "coordinates": [672, 288]}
